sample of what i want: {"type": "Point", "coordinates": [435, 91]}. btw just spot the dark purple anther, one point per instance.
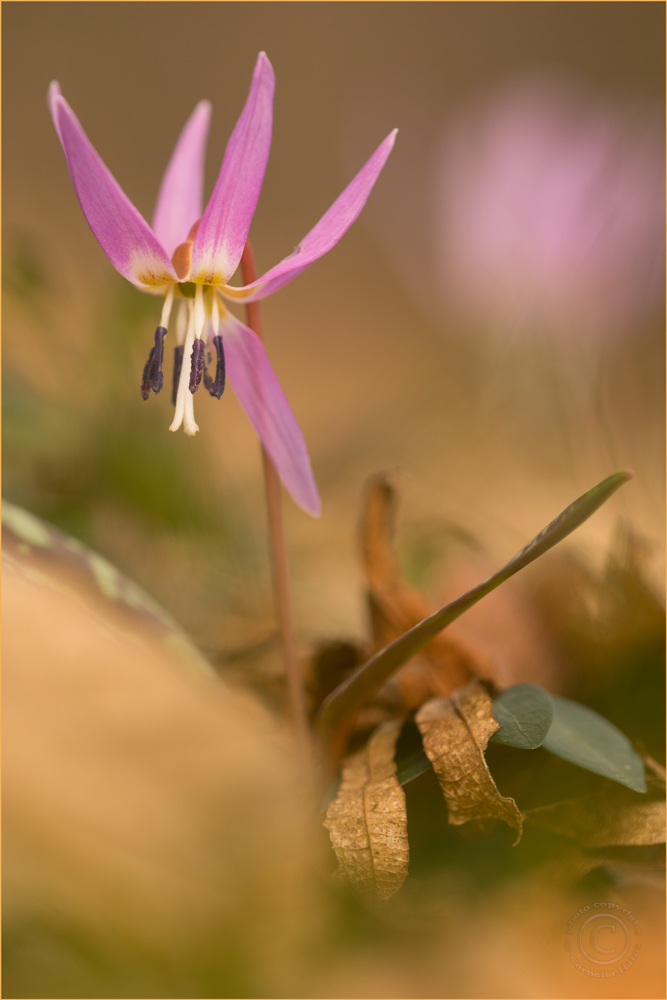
{"type": "Point", "coordinates": [147, 377]}
{"type": "Point", "coordinates": [196, 364]}
{"type": "Point", "coordinates": [178, 364]}
{"type": "Point", "coordinates": [158, 377]}
{"type": "Point", "coordinates": [216, 386]}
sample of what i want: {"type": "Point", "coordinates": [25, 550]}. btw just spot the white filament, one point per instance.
{"type": "Point", "coordinates": [166, 308]}
{"type": "Point", "coordinates": [200, 312]}
{"type": "Point", "coordinates": [182, 321]}
{"type": "Point", "coordinates": [215, 315]}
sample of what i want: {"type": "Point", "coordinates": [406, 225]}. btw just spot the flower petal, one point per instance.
{"type": "Point", "coordinates": [180, 201]}
{"type": "Point", "coordinates": [331, 227]}
{"type": "Point", "coordinates": [259, 392]}
{"type": "Point", "coordinates": [225, 224]}
{"type": "Point", "coordinates": [122, 232]}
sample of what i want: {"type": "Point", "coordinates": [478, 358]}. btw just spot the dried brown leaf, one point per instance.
{"type": "Point", "coordinates": [445, 663]}
{"type": "Point", "coordinates": [367, 821]}
{"type": "Point", "coordinates": [455, 732]}
{"type": "Point", "coordinates": [598, 821]}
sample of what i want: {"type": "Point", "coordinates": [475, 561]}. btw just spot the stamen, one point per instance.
{"type": "Point", "coordinates": [200, 311]}
{"type": "Point", "coordinates": [166, 308]}
{"type": "Point", "coordinates": [182, 322]}
{"type": "Point", "coordinates": [157, 379]}
{"type": "Point", "coordinates": [196, 364]}
{"type": "Point", "coordinates": [216, 386]}
{"type": "Point", "coordinates": [147, 377]}
{"type": "Point", "coordinates": [178, 364]}
{"type": "Point", "coordinates": [215, 315]}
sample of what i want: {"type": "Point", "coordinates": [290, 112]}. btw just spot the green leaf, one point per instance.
{"type": "Point", "coordinates": [525, 713]}
{"type": "Point", "coordinates": [412, 767]}
{"type": "Point", "coordinates": [410, 758]}
{"type": "Point", "coordinates": [583, 737]}
{"type": "Point", "coordinates": [370, 676]}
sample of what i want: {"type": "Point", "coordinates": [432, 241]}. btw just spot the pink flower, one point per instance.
{"type": "Point", "coordinates": [550, 211]}
{"type": "Point", "coordinates": [191, 255]}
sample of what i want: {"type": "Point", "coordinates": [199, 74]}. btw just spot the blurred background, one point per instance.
{"type": "Point", "coordinates": [492, 326]}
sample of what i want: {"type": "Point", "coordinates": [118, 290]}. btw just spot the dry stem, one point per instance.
{"type": "Point", "coordinates": [281, 582]}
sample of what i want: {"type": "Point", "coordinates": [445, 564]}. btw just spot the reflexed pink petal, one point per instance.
{"type": "Point", "coordinates": [123, 234]}
{"type": "Point", "coordinates": [331, 227]}
{"type": "Point", "coordinates": [225, 224]}
{"type": "Point", "coordinates": [260, 395]}
{"type": "Point", "coordinates": [180, 201]}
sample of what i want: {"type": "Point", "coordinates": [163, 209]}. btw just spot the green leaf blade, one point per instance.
{"type": "Point", "coordinates": [410, 758]}
{"type": "Point", "coordinates": [581, 736]}
{"type": "Point", "coordinates": [525, 713]}
{"type": "Point", "coordinates": [413, 767]}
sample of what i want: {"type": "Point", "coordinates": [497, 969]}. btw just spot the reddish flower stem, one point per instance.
{"type": "Point", "coordinates": [281, 583]}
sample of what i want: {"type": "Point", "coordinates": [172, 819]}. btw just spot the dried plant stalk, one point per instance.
{"type": "Point", "coordinates": [603, 820]}
{"type": "Point", "coordinates": [446, 662]}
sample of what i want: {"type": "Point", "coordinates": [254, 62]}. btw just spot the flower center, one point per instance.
{"type": "Point", "coordinates": [198, 321]}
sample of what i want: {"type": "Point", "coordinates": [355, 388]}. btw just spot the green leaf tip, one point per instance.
{"type": "Point", "coordinates": [581, 736]}
{"type": "Point", "coordinates": [370, 676]}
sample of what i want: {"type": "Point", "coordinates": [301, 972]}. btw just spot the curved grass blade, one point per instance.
{"type": "Point", "coordinates": [370, 676]}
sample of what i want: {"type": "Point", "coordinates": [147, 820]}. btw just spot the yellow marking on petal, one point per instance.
{"type": "Point", "coordinates": [208, 278]}
{"type": "Point", "coordinates": [149, 272]}
{"type": "Point", "coordinates": [154, 279]}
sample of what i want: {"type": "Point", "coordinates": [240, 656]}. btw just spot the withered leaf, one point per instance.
{"type": "Point", "coordinates": [445, 662]}
{"type": "Point", "coordinates": [455, 732]}
{"type": "Point", "coordinates": [367, 821]}
{"type": "Point", "coordinates": [602, 821]}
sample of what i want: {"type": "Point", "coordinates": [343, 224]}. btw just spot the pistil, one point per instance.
{"type": "Point", "coordinates": [185, 413]}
